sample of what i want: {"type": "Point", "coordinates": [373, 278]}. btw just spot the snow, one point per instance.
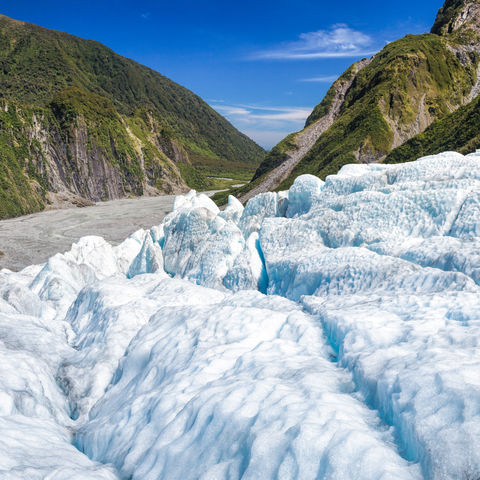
{"type": "Point", "coordinates": [331, 331]}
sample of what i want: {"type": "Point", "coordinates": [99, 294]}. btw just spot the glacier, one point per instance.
{"type": "Point", "coordinates": [331, 331]}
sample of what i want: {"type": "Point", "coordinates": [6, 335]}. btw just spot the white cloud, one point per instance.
{"type": "Point", "coordinates": [266, 125]}
{"type": "Point", "coordinates": [339, 42]}
{"type": "Point", "coordinates": [321, 79]}
{"type": "Point", "coordinates": [253, 112]}
{"type": "Point", "coordinates": [231, 110]}
{"type": "Point", "coordinates": [299, 114]}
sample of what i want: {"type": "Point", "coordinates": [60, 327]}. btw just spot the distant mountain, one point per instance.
{"type": "Point", "coordinates": [378, 104]}
{"type": "Point", "coordinates": [79, 122]}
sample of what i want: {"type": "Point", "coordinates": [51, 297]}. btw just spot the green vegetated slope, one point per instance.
{"type": "Point", "coordinates": [407, 72]}
{"type": "Point", "coordinates": [76, 116]}
{"type": "Point", "coordinates": [459, 131]}
{"type": "Point", "coordinates": [276, 156]}
{"type": "Point", "coordinates": [410, 84]}
{"type": "Point", "coordinates": [19, 193]}
{"type": "Point", "coordinates": [324, 106]}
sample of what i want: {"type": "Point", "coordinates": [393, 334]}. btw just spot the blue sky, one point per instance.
{"type": "Point", "coordinates": [263, 64]}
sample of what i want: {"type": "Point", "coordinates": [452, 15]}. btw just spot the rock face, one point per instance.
{"type": "Point", "coordinates": [457, 15]}
{"type": "Point", "coordinates": [381, 103]}
{"type": "Point", "coordinates": [73, 160]}
{"type": "Point", "coordinates": [79, 123]}
{"type": "Point", "coordinates": [79, 160]}
{"type": "Point", "coordinates": [456, 132]}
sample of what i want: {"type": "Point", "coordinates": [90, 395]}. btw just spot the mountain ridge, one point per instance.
{"type": "Point", "coordinates": [80, 122]}
{"type": "Point", "coordinates": [404, 89]}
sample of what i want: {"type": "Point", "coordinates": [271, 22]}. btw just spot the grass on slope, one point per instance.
{"type": "Point", "coordinates": [276, 156]}
{"type": "Point", "coordinates": [37, 63]}
{"type": "Point", "coordinates": [397, 78]}
{"type": "Point", "coordinates": [324, 106]}
{"type": "Point", "coordinates": [22, 189]}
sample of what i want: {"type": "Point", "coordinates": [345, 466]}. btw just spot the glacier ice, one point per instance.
{"type": "Point", "coordinates": [149, 259]}
{"type": "Point", "coordinates": [201, 246]}
{"type": "Point", "coordinates": [233, 211]}
{"type": "Point", "coordinates": [419, 366]}
{"type": "Point", "coordinates": [303, 194]}
{"type": "Point", "coordinates": [234, 390]}
{"type": "Point", "coordinates": [257, 209]}
{"type": "Point", "coordinates": [331, 331]}
{"type": "Point", "coordinates": [35, 423]}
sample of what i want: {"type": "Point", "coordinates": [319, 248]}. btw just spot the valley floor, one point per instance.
{"type": "Point", "coordinates": [33, 239]}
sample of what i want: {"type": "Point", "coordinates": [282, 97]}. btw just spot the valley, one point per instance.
{"type": "Point", "coordinates": [214, 311]}
{"type": "Point", "coordinates": [33, 239]}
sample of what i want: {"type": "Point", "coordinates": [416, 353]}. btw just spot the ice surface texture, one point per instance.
{"type": "Point", "coordinates": [327, 332]}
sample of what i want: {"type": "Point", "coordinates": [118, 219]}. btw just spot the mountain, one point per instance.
{"type": "Point", "coordinates": [79, 122]}
{"type": "Point", "coordinates": [380, 103]}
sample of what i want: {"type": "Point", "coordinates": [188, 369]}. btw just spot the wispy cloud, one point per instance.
{"type": "Point", "coordinates": [340, 41]}
{"type": "Point", "coordinates": [267, 125]}
{"type": "Point", "coordinates": [252, 112]}
{"type": "Point", "coordinates": [145, 15]}
{"type": "Point", "coordinates": [320, 79]}
{"type": "Point", "coordinates": [231, 110]}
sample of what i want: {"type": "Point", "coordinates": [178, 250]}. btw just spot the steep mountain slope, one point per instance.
{"type": "Point", "coordinates": [379, 104]}
{"type": "Point", "coordinates": [80, 121]}
{"type": "Point", "coordinates": [284, 157]}
{"type": "Point", "coordinates": [457, 15]}
{"type": "Point", "coordinates": [458, 132]}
